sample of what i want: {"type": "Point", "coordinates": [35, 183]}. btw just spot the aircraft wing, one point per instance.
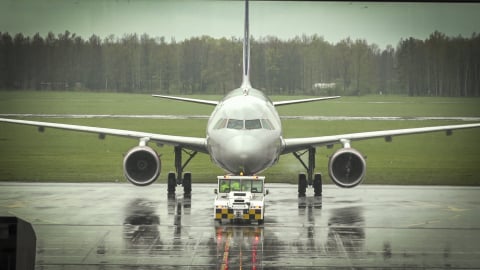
{"type": "Point", "coordinates": [193, 143]}
{"type": "Point", "coordinates": [296, 101]}
{"type": "Point", "coordinates": [194, 100]}
{"type": "Point", "coordinates": [297, 144]}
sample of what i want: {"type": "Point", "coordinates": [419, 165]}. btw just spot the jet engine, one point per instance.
{"type": "Point", "coordinates": [347, 167]}
{"type": "Point", "coordinates": [141, 165]}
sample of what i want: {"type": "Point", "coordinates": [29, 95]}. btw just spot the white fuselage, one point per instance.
{"type": "Point", "coordinates": [244, 132]}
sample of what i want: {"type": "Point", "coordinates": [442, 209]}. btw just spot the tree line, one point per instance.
{"type": "Point", "coordinates": [436, 66]}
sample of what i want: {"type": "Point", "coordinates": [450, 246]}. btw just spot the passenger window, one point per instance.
{"type": "Point", "coordinates": [235, 124]}
{"type": "Point", "coordinates": [253, 124]}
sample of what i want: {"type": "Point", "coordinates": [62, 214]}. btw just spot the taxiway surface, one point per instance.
{"type": "Point", "coordinates": [120, 226]}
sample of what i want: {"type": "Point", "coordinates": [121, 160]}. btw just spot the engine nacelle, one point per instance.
{"type": "Point", "coordinates": [141, 165]}
{"type": "Point", "coordinates": [347, 167]}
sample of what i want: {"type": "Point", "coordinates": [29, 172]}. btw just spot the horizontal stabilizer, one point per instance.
{"type": "Point", "coordinates": [193, 100]}
{"type": "Point", "coordinates": [296, 101]}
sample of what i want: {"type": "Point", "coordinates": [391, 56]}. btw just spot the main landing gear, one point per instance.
{"type": "Point", "coordinates": [311, 178]}
{"type": "Point", "coordinates": [180, 178]}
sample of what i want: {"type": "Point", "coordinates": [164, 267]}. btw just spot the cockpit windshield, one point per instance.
{"type": "Point", "coordinates": [244, 124]}
{"type": "Point", "coordinates": [253, 124]}
{"type": "Point", "coordinates": [235, 124]}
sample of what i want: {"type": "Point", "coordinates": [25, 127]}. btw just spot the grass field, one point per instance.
{"type": "Point", "coordinates": [57, 156]}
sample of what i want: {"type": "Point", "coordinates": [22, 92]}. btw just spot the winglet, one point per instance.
{"type": "Point", "coordinates": [246, 53]}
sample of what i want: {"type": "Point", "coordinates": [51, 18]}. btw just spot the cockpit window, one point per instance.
{"type": "Point", "coordinates": [244, 124]}
{"type": "Point", "coordinates": [221, 123]}
{"type": "Point", "coordinates": [235, 124]}
{"type": "Point", "coordinates": [253, 124]}
{"type": "Point", "coordinates": [266, 124]}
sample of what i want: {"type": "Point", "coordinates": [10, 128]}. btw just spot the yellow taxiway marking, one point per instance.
{"type": "Point", "coordinates": [454, 209]}
{"type": "Point", "coordinates": [17, 204]}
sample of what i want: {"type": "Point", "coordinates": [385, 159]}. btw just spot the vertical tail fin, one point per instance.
{"type": "Point", "coordinates": [246, 52]}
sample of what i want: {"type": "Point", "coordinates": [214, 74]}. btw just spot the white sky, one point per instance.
{"type": "Point", "coordinates": [378, 22]}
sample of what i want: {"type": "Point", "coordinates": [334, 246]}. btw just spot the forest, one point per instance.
{"type": "Point", "coordinates": [304, 65]}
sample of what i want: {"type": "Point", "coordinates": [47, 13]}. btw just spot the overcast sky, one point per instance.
{"type": "Point", "coordinates": [377, 22]}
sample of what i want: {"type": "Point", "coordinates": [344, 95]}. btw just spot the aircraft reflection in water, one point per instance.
{"type": "Point", "coordinates": [140, 227]}
{"type": "Point", "coordinates": [141, 224]}
{"type": "Point", "coordinates": [147, 233]}
{"type": "Point", "coordinates": [345, 237]}
{"type": "Point", "coordinates": [346, 233]}
{"type": "Point", "coordinates": [248, 247]}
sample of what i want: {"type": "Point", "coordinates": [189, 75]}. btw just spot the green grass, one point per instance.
{"type": "Point", "coordinates": [50, 102]}
{"type": "Point", "coordinates": [95, 103]}
{"type": "Point", "coordinates": [392, 106]}
{"type": "Point", "coordinates": [61, 156]}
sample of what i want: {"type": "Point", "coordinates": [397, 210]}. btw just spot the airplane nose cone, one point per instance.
{"type": "Point", "coordinates": [245, 154]}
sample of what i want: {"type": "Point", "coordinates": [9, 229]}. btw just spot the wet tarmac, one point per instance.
{"type": "Point", "coordinates": [120, 226]}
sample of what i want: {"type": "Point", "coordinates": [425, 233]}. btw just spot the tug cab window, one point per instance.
{"type": "Point", "coordinates": [235, 185]}
{"type": "Point", "coordinates": [257, 186]}
{"type": "Point", "coordinates": [224, 186]}
{"type": "Point", "coordinates": [247, 185]}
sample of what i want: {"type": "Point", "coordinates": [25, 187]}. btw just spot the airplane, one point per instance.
{"type": "Point", "coordinates": [243, 137]}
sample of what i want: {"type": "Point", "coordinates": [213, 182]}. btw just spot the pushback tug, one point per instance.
{"type": "Point", "coordinates": [240, 198]}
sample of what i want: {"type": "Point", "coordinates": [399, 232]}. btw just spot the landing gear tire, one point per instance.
{"type": "Point", "coordinates": [172, 183]}
{"type": "Point", "coordinates": [302, 184]}
{"type": "Point", "coordinates": [187, 183]}
{"type": "Point", "coordinates": [317, 184]}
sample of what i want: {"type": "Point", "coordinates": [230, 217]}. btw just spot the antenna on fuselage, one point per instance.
{"type": "Point", "coordinates": [246, 54]}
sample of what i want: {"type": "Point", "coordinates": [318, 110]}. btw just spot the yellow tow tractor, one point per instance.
{"type": "Point", "coordinates": [240, 198]}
